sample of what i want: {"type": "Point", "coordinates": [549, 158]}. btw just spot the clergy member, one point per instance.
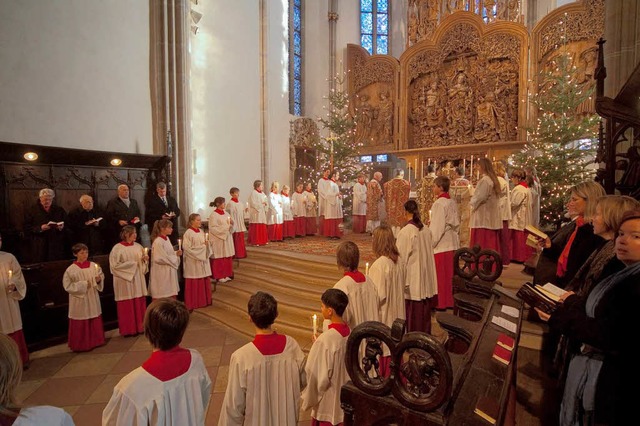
{"type": "Point", "coordinates": [374, 202]}
{"type": "Point", "coordinates": [45, 223]}
{"type": "Point", "coordinates": [359, 208]}
{"type": "Point", "coordinates": [396, 193]}
{"type": "Point", "coordinates": [87, 225]}
{"type": "Point", "coordinates": [258, 206]}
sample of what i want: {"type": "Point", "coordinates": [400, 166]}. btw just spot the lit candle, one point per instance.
{"type": "Point", "coordinates": [429, 163]}
{"type": "Point", "coordinates": [10, 273]}
{"type": "Point", "coordinates": [247, 205]}
{"type": "Point", "coordinates": [471, 169]}
{"type": "Point", "coordinates": [206, 237]}
{"type": "Point", "coordinates": [421, 169]}
{"type": "Point", "coordinates": [315, 324]}
{"type": "Point", "coordinates": [464, 164]}
{"type": "Point", "coordinates": [229, 220]}
{"type": "Point", "coordinates": [494, 158]}
{"type": "Point", "coordinates": [366, 269]}
{"type": "Point", "coordinates": [97, 268]}
{"type": "Point", "coordinates": [429, 214]}
{"type": "Point", "coordinates": [415, 169]}
{"type": "Point", "coordinates": [179, 244]}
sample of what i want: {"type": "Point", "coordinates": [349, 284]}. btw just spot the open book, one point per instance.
{"type": "Point", "coordinates": [536, 232]}
{"type": "Point", "coordinates": [52, 223]}
{"type": "Point", "coordinates": [535, 297]}
{"type": "Point", "coordinates": [95, 220]}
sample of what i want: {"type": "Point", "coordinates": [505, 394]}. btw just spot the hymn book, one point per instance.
{"type": "Point", "coordinates": [506, 342]}
{"type": "Point", "coordinates": [487, 408]}
{"type": "Point", "coordinates": [502, 355]}
{"type": "Point", "coordinates": [535, 231]}
{"type": "Point", "coordinates": [537, 298]}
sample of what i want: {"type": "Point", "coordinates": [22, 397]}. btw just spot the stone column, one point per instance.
{"type": "Point", "coordinates": [332, 16]}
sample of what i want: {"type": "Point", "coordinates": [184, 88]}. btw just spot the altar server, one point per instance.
{"type": "Point", "coordinates": [325, 368]}
{"type": "Point", "coordinates": [444, 227]}
{"type": "Point", "coordinates": [258, 206]}
{"type": "Point", "coordinates": [288, 225]}
{"type": "Point", "coordinates": [197, 270]}
{"type": "Point", "coordinates": [521, 207]}
{"type": "Point", "coordinates": [265, 375]}
{"type": "Point", "coordinates": [163, 279]}
{"type": "Point", "coordinates": [275, 218]}
{"type": "Point", "coordinates": [416, 256]}
{"type": "Point", "coordinates": [129, 262]}
{"type": "Point", "coordinates": [312, 210]}
{"type": "Point", "coordinates": [14, 288]}
{"type": "Point", "coordinates": [323, 185]}
{"type": "Point", "coordinates": [486, 220]}
{"type": "Point", "coordinates": [221, 240]}
{"type": "Point", "coordinates": [332, 208]}
{"type": "Point", "coordinates": [299, 209]}
{"type": "Point", "coordinates": [172, 387]}
{"type": "Point", "coordinates": [236, 210]}
{"type": "Point", "coordinates": [83, 280]}
{"type": "Point", "coordinates": [504, 204]}
{"type": "Point", "coordinates": [359, 216]}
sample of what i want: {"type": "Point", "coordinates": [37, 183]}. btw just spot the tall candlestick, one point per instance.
{"type": "Point", "coordinates": [415, 169]}
{"type": "Point", "coordinates": [421, 169]}
{"type": "Point", "coordinates": [315, 324]}
{"type": "Point", "coordinates": [366, 269]}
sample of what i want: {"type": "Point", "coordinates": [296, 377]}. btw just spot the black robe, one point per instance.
{"type": "Point", "coordinates": [46, 245]}
{"type": "Point", "coordinates": [91, 235]}
{"type": "Point", "coordinates": [116, 211]}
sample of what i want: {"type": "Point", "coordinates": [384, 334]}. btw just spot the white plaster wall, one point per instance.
{"type": "Point", "coordinates": [75, 73]}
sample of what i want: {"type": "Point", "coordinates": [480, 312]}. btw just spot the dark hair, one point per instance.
{"type": "Point", "coordinates": [443, 182]}
{"type": "Point", "coordinates": [126, 231]}
{"type": "Point", "coordinates": [77, 248]}
{"type": "Point", "coordinates": [431, 168]}
{"type": "Point", "coordinates": [263, 309]}
{"type": "Point", "coordinates": [629, 215]}
{"type": "Point", "coordinates": [412, 207]}
{"type": "Point", "coordinates": [165, 323]}
{"type": "Point", "coordinates": [217, 201]}
{"type": "Point", "coordinates": [256, 183]}
{"type": "Point", "coordinates": [336, 300]}
{"type": "Point", "coordinates": [460, 171]}
{"type": "Point", "coordinates": [348, 255]}
{"type": "Point", "coordinates": [518, 174]}
{"type": "Point", "coordinates": [233, 190]}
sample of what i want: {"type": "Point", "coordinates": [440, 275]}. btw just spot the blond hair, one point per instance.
{"type": "Point", "coordinates": [612, 207]}
{"type": "Point", "coordinates": [590, 191]}
{"type": "Point", "coordinates": [275, 185]}
{"type": "Point", "coordinates": [192, 218]}
{"type": "Point", "coordinates": [486, 166]}
{"type": "Point", "coordinates": [158, 226]}
{"type": "Point", "coordinates": [384, 243]}
{"type": "Point", "coordinates": [10, 376]}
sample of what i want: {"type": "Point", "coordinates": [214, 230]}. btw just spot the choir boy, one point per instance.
{"type": "Point", "coordinates": [163, 279]}
{"type": "Point", "coordinates": [299, 209]}
{"type": "Point", "coordinates": [266, 375]}
{"type": "Point", "coordinates": [274, 216]}
{"type": "Point", "coordinates": [172, 387]}
{"type": "Point", "coordinates": [359, 224]}
{"type": "Point", "coordinates": [323, 186]}
{"type": "Point", "coordinates": [289, 226]}
{"type": "Point", "coordinates": [197, 269]}
{"type": "Point", "coordinates": [221, 240]}
{"type": "Point", "coordinates": [312, 210]}
{"type": "Point", "coordinates": [521, 213]}
{"type": "Point", "coordinates": [325, 368]}
{"type": "Point", "coordinates": [258, 206]}
{"type": "Point", "coordinates": [332, 208]}
{"type": "Point", "coordinates": [83, 280]}
{"type": "Point", "coordinates": [236, 211]}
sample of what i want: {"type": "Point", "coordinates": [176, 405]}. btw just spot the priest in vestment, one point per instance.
{"type": "Point", "coordinates": [359, 208]}
{"type": "Point", "coordinates": [396, 193]}
{"type": "Point", "coordinates": [374, 200]}
{"type": "Point", "coordinates": [425, 193]}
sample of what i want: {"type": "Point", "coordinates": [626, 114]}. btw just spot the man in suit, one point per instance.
{"type": "Point", "coordinates": [122, 211]}
{"type": "Point", "coordinates": [162, 206]}
{"type": "Point", "coordinates": [87, 225]}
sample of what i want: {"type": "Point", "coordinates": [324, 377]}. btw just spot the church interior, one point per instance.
{"type": "Point", "coordinates": [208, 95]}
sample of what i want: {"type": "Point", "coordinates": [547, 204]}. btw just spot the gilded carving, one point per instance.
{"type": "Point", "coordinates": [303, 132]}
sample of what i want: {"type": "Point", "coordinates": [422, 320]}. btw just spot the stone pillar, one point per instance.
{"type": "Point", "coordinates": [332, 16]}
{"type": "Point", "coordinates": [622, 47]}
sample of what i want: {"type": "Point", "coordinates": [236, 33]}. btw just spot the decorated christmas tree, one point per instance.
{"type": "Point", "coordinates": [562, 144]}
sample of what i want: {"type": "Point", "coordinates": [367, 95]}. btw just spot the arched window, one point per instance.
{"type": "Point", "coordinates": [374, 26]}
{"type": "Point", "coordinates": [296, 48]}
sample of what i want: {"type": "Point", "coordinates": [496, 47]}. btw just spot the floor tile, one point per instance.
{"type": "Point", "coordinates": [26, 388]}
{"type": "Point", "coordinates": [114, 345]}
{"type": "Point", "coordinates": [103, 393]}
{"type": "Point", "coordinates": [71, 409]}
{"type": "Point", "coordinates": [52, 351]}
{"type": "Point", "coordinates": [211, 355]}
{"type": "Point", "coordinates": [61, 392]}
{"type": "Point", "coordinates": [141, 344]}
{"type": "Point", "coordinates": [213, 375]}
{"type": "Point", "coordinates": [227, 351]}
{"type": "Point", "coordinates": [43, 368]}
{"type": "Point", "coordinates": [220, 385]}
{"type": "Point", "coordinates": [89, 364]}
{"type": "Point", "coordinates": [89, 415]}
{"type": "Point", "coordinates": [215, 405]}
{"type": "Point", "coordinates": [130, 361]}
{"type": "Point", "coordinates": [200, 338]}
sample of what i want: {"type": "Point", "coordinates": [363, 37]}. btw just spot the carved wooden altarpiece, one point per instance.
{"type": "Point", "coordinates": [303, 137]}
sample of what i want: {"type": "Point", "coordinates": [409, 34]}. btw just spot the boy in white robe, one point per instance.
{"type": "Point", "coordinates": [12, 289]}
{"type": "Point", "coordinates": [163, 279]}
{"type": "Point", "coordinates": [266, 375]}
{"type": "Point", "coordinates": [323, 186]}
{"type": "Point", "coordinates": [359, 208]}
{"type": "Point", "coordinates": [172, 387]}
{"type": "Point", "coordinates": [83, 280]}
{"type": "Point", "coordinates": [332, 208]}
{"type": "Point", "coordinates": [325, 367]}
{"type": "Point", "coordinates": [274, 215]}
{"type": "Point", "coordinates": [221, 240]}
{"type": "Point", "coordinates": [196, 268]}
{"type": "Point", "coordinates": [311, 211]}
{"type": "Point", "coordinates": [299, 209]}
{"type": "Point", "coordinates": [236, 211]}
{"type": "Point", "coordinates": [258, 206]}
{"type": "Point", "coordinates": [288, 225]}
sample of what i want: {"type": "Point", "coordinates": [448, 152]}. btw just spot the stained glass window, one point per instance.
{"type": "Point", "coordinates": [296, 61]}
{"type": "Point", "coordinates": [374, 26]}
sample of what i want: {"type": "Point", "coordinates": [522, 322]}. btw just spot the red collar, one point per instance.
{"type": "Point", "coordinates": [307, 191]}
{"type": "Point", "coordinates": [299, 192]}
{"type": "Point", "coordinates": [124, 243]}
{"type": "Point", "coordinates": [270, 344]}
{"type": "Point", "coordinates": [167, 365]}
{"type": "Point", "coordinates": [235, 200]}
{"type": "Point", "coordinates": [523, 183]}
{"type": "Point", "coordinates": [343, 329]}
{"type": "Point", "coordinates": [196, 230]}
{"type": "Point", "coordinates": [257, 190]}
{"type": "Point", "coordinates": [163, 237]}
{"type": "Point", "coordinates": [444, 195]}
{"type": "Point", "coordinates": [357, 276]}
{"type": "Point", "coordinates": [284, 195]}
{"type": "Point", "coordinates": [221, 212]}
{"type": "Point", "coordinates": [82, 265]}
{"type": "Point", "coordinates": [274, 192]}
{"type": "Point", "coordinates": [324, 178]}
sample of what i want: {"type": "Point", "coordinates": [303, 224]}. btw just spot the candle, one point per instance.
{"type": "Point", "coordinates": [146, 250]}
{"type": "Point", "coordinates": [97, 268]}
{"type": "Point", "coordinates": [429, 163]}
{"type": "Point", "coordinates": [415, 169]}
{"type": "Point", "coordinates": [315, 324]}
{"type": "Point", "coordinates": [229, 220]}
{"type": "Point", "coordinates": [464, 164]}
{"type": "Point", "coordinates": [421, 169]}
{"type": "Point", "coordinates": [366, 269]}
{"type": "Point", "coordinates": [471, 170]}
{"type": "Point", "coordinates": [10, 273]}
{"type": "Point", "coordinates": [179, 244]}
{"type": "Point", "coordinates": [429, 214]}
{"type": "Point", "coordinates": [206, 237]}
{"type": "Point", "coordinates": [409, 174]}
{"type": "Point", "coordinates": [494, 159]}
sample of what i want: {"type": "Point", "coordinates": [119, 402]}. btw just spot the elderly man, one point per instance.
{"type": "Point", "coordinates": [44, 223]}
{"type": "Point", "coordinates": [87, 226]}
{"type": "Point", "coordinates": [162, 206]}
{"type": "Point", "coordinates": [122, 211]}
{"type": "Point", "coordinates": [396, 193]}
{"type": "Point", "coordinates": [374, 200]}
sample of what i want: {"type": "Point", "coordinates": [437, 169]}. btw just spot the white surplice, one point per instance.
{"type": "Point", "coordinates": [416, 255]}
{"type": "Point", "coordinates": [323, 186]}
{"type": "Point", "coordinates": [274, 216]}
{"type": "Point", "coordinates": [163, 279]}
{"type": "Point", "coordinates": [258, 206]}
{"type": "Point", "coordinates": [388, 279]}
{"type": "Point", "coordinates": [364, 304]}
{"type": "Point", "coordinates": [80, 283]}
{"type": "Point", "coordinates": [312, 203]}
{"type": "Point", "coordinates": [444, 225]}
{"type": "Point", "coordinates": [504, 202]}
{"type": "Point", "coordinates": [520, 208]}
{"type": "Point", "coordinates": [264, 390]}
{"type": "Point", "coordinates": [287, 213]}
{"type": "Point", "coordinates": [236, 211]}
{"type": "Point", "coordinates": [43, 415]}
{"type": "Point", "coordinates": [128, 270]}
{"type": "Point", "coordinates": [195, 253]}
{"type": "Point", "coordinates": [326, 373]}
{"type": "Point", "coordinates": [359, 199]}
{"type": "Point", "coordinates": [142, 399]}
{"type": "Point", "coordinates": [333, 201]}
{"type": "Point", "coordinates": [220, 236]}
{"type": "Point", "coordinates": [298, 204]}
{"type": "Point", "coordinates": [485, 208]}
{"type": "Point", "coordinates": [10, 319]}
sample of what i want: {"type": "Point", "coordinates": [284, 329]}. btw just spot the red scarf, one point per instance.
{"type": "Point", "coordinates": [82, 265]}
{"type": "Point", "coordinates": [196, 230]}
{"type": "Point", "coordinates": [167, 365]}
{"type": "Point", "coordinates": [564, 256]}
{"type": "Point", "coordinates": [270, 344]}
{"type": "Point", "coordinates": [124, 243]}
{"type": "Point", "coordinates": [444, 195]}
{"type": "Point", "coordinates": [221, 212]}
{"type": "Point", "coordinates": [234, 199]}
{"type": "Point", "coordinates": [357, 276]}
{"type": "Point", "coordinates": [343, 329]}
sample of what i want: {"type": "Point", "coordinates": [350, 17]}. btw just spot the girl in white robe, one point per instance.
{"type": "Point", "coordinates": [163, 279]}
{"type": "Point", "coordinates": [311, 211]}
{"type": "Point", "coordinates": [332, 208]}
{"type": "Point", "coordinates": [288, 225]}
{"type": "Point", "coordinates": [416, 256]}
{"type": "Point", "coordinates": [129, 262]}
{"type": "Point", "coordinates": [359, 208]}
{"type": "Point", "coordinates": [521, 207]}
{"type": "Point", "coordinates": [221, 241]}
{"type": "Point", "coordinates": [83, 280]}
{"type": "Point", "coordinates": [13, 288]}
{"type": "Point", "coordinates": [258, 207]}
{"type": "Point", "coordinates": [236, 210]}
{"type": "Point", "coordinates": [197, 270]}
{"type": "Point", "coordinates": [275, 217]}
{"type": "Point", "coordinates": [486, 221]}
{"type": "Point", "coordinates": [299, 209]}
{"type": "Point", "coordinates": [504, 204]}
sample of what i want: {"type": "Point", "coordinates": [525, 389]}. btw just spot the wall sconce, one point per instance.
{"type": "Point", "coordinates": [194, 2]}
{"type": "Point", "coordinates": [116, 162]}
{"type": "Point", "coordinates": [30, 156]}
{"type": "Point", "coordinates": [196, 16]}
{"type": "Point", "coordinates": [194, 29]}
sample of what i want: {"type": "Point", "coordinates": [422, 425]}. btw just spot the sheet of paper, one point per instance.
{"type": "Point", "coordinates": [511, 311]}
{"type": "Point", "coordinates": [554, 289]}
{"type": "Point", "coordinates": [504, 323]}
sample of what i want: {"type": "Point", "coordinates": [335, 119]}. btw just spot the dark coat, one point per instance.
{"type": "Point", "coordinates": [155, 208]}
{"type": "Point", "coordinates": [92, 235]}
{"type": "Point", "coordinates": [116, 211]}
{"type": "Point", "coordinates": [46, 245]}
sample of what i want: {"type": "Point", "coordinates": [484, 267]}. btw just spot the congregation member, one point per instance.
{"type": "Point", "coordinates": [129, 262]}
{"type": "Point", "coordinates": [87, 226]}
{"type": "Point", "coordinates": [325, 366]}
{"type": "Point", "coordinates": [332, 208]}
{"type": "Point", "coordinates": [520, 217]}
{"type": "Point", "coordinates": [444, 227]}
{"type": "Point", "coordinates": [165, 260]}
{"type": "Point", "coordinates": [505, 207]}
{"type": "Point", "coordinates": [258, 207]}
{"type": "Point", "coordinates": [299, 209]}
{"type": "Point", "coordinates": [236, 210]}
{"type": "Point", "coordinates": [364, 304]}
{"type": "Point", "coordinates": [221, 240]}
{"type": "Point", "coordinates": [275, 217]}
{"type": "Point", "coordinates": [396, 193]}
{"type": "Point", "coordinates": [122, 211]}
{"type": "Point", "coordinates": [601, 377]}
{"type": "Point", "coordinates": [288, 226]}
{"type": "Point", "coordinates": [14, 289]}
{"type": "Point", "coordinates": [172, 387]}
{"type": "Point", "coordinates": [388, 278]}
{"type": "Point", "coordinates": [311, 225]}
{"type": "Point", "coordinates": [44, 223]}
{"type": "Point", "coordinates": [12, 412]}
{"type": "Point", "coordinates": [374, 202]}
{"type": "Point", "coordinates": [486, 221]}
{"type": "Point", "coordinates": [83, 280]}
{"type": "Point", "coordinates": [265, 375]}
{"type": "Point", "coordinates": [359, 207]}
{"type": "Point", "coordinates": [421, 282]}
{"type": "Point", "coordinates": [197, 270]}
{"type": "Point", "coordinates": [161, 205]}
{"type": "Point", "coordinates": [323, 185]}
